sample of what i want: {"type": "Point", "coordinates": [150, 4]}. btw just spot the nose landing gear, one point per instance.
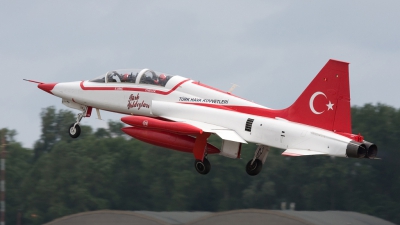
{"type": "Point", "coordinates": [75, 130]}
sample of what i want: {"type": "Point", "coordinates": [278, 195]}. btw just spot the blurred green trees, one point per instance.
{"type": "Point", "coordinates": [105, 169]}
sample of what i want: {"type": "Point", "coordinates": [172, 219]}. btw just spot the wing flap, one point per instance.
{"type": "Point", "coordinates": [301, 152]}
{"type": "Point", "coordinates": [229, 135]}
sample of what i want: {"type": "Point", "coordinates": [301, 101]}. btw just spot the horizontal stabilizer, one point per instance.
{"type": "Point", "coordinates": [300, 152]}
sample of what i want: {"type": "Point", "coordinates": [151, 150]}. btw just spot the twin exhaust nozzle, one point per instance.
{"type": "Point", "coordinates": [361, 150]}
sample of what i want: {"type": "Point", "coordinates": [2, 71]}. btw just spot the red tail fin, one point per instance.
{"type": "Point", "coordinates": [325, 103]}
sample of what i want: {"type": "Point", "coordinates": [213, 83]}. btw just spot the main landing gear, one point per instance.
{"type": "Point", "coordinates": [202, 167]}
{"type": "Point", "coordinates": [254, 166]}
{"type": "Point", "coordinates": [201, 162]}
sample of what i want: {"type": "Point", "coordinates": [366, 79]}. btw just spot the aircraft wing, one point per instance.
{"type": "Point", "coordinates": [167, 110]}
{"type": "Point", "coordinates": [222, 132]}
{"type": "Point", "coordinates": [300, 152]}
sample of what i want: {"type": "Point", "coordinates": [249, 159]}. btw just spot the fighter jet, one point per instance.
{"type": "Point", "coordinates": [178, 113]}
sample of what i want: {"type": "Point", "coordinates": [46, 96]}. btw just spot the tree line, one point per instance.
{"type": "Point", "coordinates": [105, 169]}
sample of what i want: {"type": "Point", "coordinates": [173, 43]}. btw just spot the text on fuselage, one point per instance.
{"type": "Point", "coordinates": [203, 100]}
{"type": "Point", "coordinates": [134, 102]}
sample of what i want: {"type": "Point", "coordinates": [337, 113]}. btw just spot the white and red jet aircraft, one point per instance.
{"type": "Point", "coordinates": [179, 113]}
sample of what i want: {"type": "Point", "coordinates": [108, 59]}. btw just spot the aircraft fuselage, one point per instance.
{"type": "Point", "coordinates": [171, 108]}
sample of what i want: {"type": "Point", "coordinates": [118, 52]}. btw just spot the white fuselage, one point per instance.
{"type": "Point", "coordinates": [197, 102]}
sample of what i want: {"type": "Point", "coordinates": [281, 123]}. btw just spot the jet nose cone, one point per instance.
{"type": "Point", "coordinates": [47, 87]}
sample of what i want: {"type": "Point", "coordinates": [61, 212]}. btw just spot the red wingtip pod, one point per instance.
{"type": "Point", "coordinates": [325, 103]}
{"type": "Point", "coordinates": [164, 139]}
{"type": "Point", "coordinates": [47, 87]}
{"type": "Point", "coordinates": [156, 124]}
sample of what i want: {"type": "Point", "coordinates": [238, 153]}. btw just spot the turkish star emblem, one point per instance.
{"type": "Point", "coordinates": [330, 105]}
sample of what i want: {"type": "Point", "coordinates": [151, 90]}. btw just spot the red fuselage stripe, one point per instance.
{"type": "Point", "coordinates": [242, 109]}
{"type": "Point", "coordinates": [132, 89]}
{"type": "Point", "coordinates": [270, 113]}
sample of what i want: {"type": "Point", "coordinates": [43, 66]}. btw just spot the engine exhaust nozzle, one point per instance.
{"type": "Point", "coordinates": [356, 150]}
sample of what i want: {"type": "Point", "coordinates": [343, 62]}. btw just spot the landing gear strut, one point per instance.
{"type": "Point", "coordinates": [202, 167]}
{"type": "Point", "coordinates": [254, 166]}
{"type": "Point", "coordinates": [201, 162]}
{"type": "Point", "coordinates": [75, 130]}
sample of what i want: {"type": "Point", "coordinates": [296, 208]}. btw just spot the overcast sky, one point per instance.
{"type": "Point", "coordinates": [271, 49]}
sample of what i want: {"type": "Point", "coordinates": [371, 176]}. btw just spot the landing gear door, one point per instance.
{"type": "Point", "coordinates": [73, 105]}
{"type": "Point", "coordinates": [231, 149]}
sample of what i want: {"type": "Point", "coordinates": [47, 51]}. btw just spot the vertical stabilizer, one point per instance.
{"type": "Point", "coordinates": [325, 103]}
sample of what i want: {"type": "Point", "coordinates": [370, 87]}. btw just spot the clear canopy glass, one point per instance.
{"type": "Point", "coordinates": [140, 76]}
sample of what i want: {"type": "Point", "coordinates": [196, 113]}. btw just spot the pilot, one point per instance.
{"type": "Point", "coordinates": [151, 79]}
{"type": "Point", "coordinates": [128, 78]}
{"type": "Point", "coordinates": [162, 80]}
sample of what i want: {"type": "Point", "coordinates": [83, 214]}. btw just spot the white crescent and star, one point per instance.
{"type": "Point", "coordinates": [329, 105]}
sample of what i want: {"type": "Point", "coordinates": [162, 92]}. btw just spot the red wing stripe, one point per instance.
{"type": "Point", "coordinates": [132, 89]}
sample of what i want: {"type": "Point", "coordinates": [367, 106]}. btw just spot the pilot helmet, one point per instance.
{"type": "Point", "coordinates": [162, 77]}
{"type": "Point", "coordinates": [125, 77]}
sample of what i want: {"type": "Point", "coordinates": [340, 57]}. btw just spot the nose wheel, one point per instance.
{"type": "Point", "coordinates": [202, 167]}
{"type": "Point", "coordinates": [74, 130]}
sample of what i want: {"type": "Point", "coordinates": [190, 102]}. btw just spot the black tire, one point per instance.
{"type": "Point", "coordinates": [255, 168]}
{"type": "Point", "coordinates": [74, 133]}
{"type": "Point", "coordinates": [202, 167]}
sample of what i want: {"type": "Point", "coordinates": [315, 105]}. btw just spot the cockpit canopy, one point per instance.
{"type": "Point", "coordinates": [138, 76]}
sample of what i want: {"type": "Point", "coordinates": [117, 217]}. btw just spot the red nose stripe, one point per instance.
{"type": "Point", "coordinates": [47, 87]}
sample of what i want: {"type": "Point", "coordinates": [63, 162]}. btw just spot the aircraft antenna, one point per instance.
{"type": "Point", "coordinates": [232, 88]}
